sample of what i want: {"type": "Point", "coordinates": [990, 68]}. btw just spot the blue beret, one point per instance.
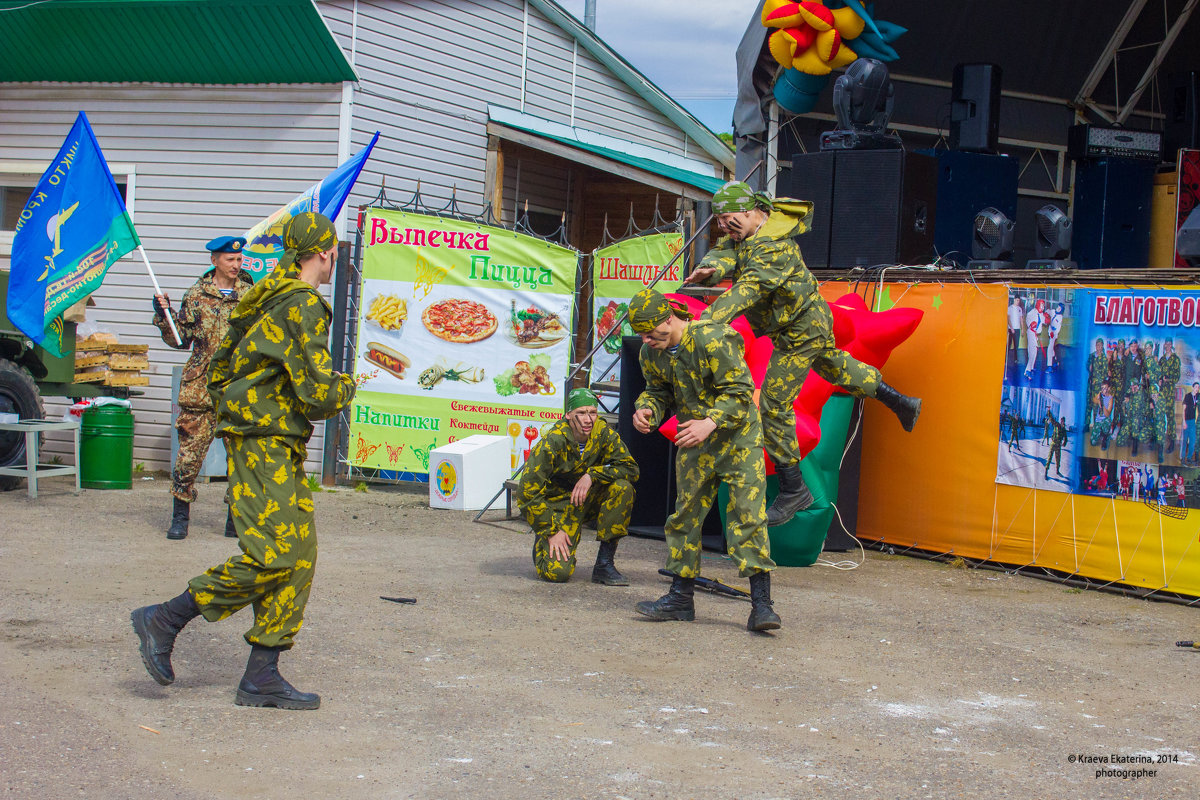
{"type": "Point", "coordinates": [226, 244]}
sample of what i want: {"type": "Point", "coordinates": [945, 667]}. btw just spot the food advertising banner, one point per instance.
{"type": "Point", "coordinates": [464, 329]}
{"type": "Point", "coordinates": [619, 271]}
{"type": "Point", "coordinates": [1100, 394]}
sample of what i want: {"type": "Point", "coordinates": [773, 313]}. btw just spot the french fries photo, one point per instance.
{"type": "Point", "coordinates": [388, 311]}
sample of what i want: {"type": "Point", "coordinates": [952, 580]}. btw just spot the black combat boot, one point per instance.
{"type": "Point", "coordinates": [793, 495]}
{"type": "Point", "coordinates": [605, 571]}
{"type": "Point", "coordinates": [179, 519]}
{"type": "Point", "coordinates": [230, 530]}
{"type": "Point", "coordinates": [906, 408]}
{"type": "Point", "coordinates": [675, 604]}
{"type": "Point", "coordinates": [262, 685]}
{"type": "Point", "coordinates": [157, 627]}
{"type": "Point", "coordinates": [762, 615]}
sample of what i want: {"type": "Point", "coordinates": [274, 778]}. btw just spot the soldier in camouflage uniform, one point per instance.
{"type": "Point", "coordinates": [1102, 418]}
{"type": "Point", "coordinates": [1097, 370]}
{"type": "Point", "coordinates": [1133, 406]}
{"type": "Point", "coordinates": [1153, 427]}
{"type": "Point", "coordinates": [579, 470]}
{"type": "Point", "coordinates": [779, 297]}
{"type": "Point", "coordinates": [271, 375]}
{"type": "Point", "coordinates": [202, 320]}
{"type": "Point", "coordinates": [1116, 382]}
{"type": "Point", "coordinates": [1057, 437]}
{"type": "Point", "coordinates": [1170, 372]}
{"type": "Point", "coordinates": [697, 369]}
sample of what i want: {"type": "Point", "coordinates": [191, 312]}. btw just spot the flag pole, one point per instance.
{"type": "Point", "coordinates": [158, 291]}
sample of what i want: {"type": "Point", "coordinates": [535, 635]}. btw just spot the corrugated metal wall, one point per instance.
{"type": "Point", "coordinates": [208, 161]}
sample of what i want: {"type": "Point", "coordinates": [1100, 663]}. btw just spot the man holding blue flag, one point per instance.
{"type": "Point", "coordinates": [202, 322]}
{"type": "Point", "coordinates": [70, 232]}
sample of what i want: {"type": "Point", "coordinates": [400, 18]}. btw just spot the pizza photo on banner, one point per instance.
{"type": "Point", "coordinates": [463, 329]}
{"type": "Point", "coordinates": [1038, 425]}
{"type": "Point", "coordinates": [619, 271]}
{"type": "Point", "coordinates": [1117, 417]}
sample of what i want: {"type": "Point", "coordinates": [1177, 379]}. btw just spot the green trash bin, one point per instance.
{"type": "Point", "coordinates": [106, 448]}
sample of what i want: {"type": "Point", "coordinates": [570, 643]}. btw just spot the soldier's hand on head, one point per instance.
{"type": "Point", "coordinates": [642, 420]}
{"type": "Point", "coordinates": [694, 431]}
{"type": "Point", "coordinates": [559, 546]}
{"type": "Point", "coordinates": [580, 491]}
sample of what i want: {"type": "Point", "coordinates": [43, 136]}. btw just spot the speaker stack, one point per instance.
{"type": "Point", "coordinates": [871, 207]}
{"type": "Point", "coordinates": [1114, 183]}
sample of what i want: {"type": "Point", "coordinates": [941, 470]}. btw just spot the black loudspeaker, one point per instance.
{"type": "Point", "coordinates": [1182, 126]}
{"type": "Point", "coordinates": [975, 108]}
{"type": "Point", "coordinates": [967, 183]}
{"type": "Point", "coordinates": [1112, 213]}
{"type": "Point", "coordinates": [812, 179]}
{"type": "Point", "coordinates": [881, 207]}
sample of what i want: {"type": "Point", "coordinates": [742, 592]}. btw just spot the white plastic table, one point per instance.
{"type": "Point", "coordinates": [32, 469]}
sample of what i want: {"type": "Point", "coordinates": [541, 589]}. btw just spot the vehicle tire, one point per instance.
{"type": "Point", "coordinates": [18, 395]}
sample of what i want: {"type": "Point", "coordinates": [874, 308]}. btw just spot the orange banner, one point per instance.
{"type": "Point", "coordinates": [935, 489]}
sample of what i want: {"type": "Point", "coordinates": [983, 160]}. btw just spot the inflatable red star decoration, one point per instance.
{"type": "Point", "coordinates": [869, 336]}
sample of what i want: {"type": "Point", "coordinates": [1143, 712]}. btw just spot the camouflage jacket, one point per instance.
{"type": "Point", "coordinates": [707, 377]}
{"type": "Point", "coordinates": [202, 320]}
{"type": "Point", "coordinates": [273, 371]}
{"type": "Point", "coordinates": [556, 464]}
{"type": "Point", "coordinates": [771, 284]}
{"type": "Point", "coordinates": [1170, 373]}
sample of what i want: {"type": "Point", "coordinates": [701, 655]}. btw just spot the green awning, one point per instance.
{"type": "Point", "coordinates": [688, 171]}
{"type": "Point", "coordinates": [169, 41]}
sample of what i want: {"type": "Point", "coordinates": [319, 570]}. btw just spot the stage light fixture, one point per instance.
{"type": "Point", "coordinates": [992, 242]}
{"type": "Point", "coordinates": [1052, 249]}
{"type": "Point", "coordinates": [1187, 242]}
{"type": "Point", "coordinates": [863, 98]}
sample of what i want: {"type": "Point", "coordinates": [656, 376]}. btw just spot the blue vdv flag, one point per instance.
{"type": "Point", "coordinates": [72, 229]}
{"type": "Point", "coordinates": [264, 242]}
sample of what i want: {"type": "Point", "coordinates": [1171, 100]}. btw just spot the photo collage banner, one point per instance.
{"type": "Point", "coordinates": [1101, 392]}
{"type": "Point", "coordinates": [463, 329]}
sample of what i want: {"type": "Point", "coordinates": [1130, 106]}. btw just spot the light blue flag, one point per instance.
{"type": "Point", "coordinates": [264, 242]}
{"type": "Point", "coordinates": [72, 229]}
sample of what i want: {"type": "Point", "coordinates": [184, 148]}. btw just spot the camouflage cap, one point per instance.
{"type": "Point", "coordinates": [648, 309]}
{"type": "Point", "coordinates": [738, 196]}
{"type": "Point", "coordinates": [733, 196]}
{"type": "Point", "coordinates": [578, 398]}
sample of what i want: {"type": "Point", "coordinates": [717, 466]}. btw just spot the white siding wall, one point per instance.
{"type": "Point", "coordinates": [429, 68]}
{"type": "Point", "coordinates": [209, 161]}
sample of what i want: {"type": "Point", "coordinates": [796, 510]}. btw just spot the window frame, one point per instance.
{"type": "Point", "coordinates": [22, 173]}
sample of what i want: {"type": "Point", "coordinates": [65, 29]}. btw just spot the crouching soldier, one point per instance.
{"type": "Point", "coordinates": [579, 470]}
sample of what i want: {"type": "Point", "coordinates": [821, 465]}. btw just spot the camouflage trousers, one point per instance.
{"type": "Point", "coordinates": [610, 505]}
{"type": "Point", "coordinates": [195, 427]}
{"type": "Point", "coordinates": [273, 513]}
{"type": "Point", "coordinates": [785, 376]}
{"type": "Point", "coordinates": [1055, 455]}
{"type": "Point", "coordinates": [699, 472]}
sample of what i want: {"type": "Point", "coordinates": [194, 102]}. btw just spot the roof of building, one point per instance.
{"type": "Point", "coordinates": [169, 41]}
{"type": "Point", "coordinates": [688, 171]}
{"type": "Point", "coordinates": [657, 98]}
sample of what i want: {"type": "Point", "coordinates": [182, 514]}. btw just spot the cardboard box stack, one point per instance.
{"type": "Point", "coordinates": [100, 358]}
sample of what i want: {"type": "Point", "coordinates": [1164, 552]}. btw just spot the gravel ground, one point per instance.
{"type": "Point", "coordinates": [899, 679]}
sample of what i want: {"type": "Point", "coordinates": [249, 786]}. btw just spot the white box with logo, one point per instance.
{"type": "Point", "coordinates": [466, 474]}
